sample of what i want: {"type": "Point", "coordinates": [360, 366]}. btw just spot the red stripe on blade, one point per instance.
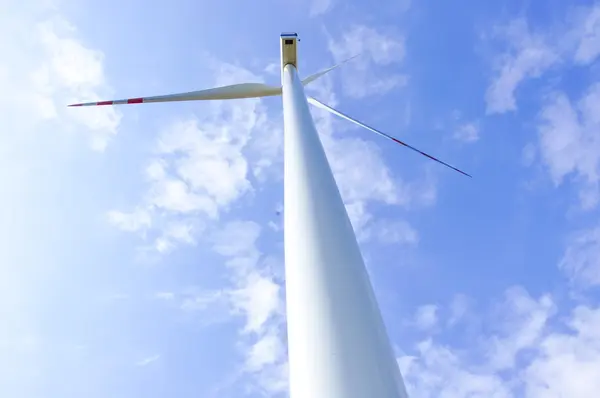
{"type": "Point", "coordinates": [104, 103]}
{"type": "Point", "coordinates": [135, 100]}
{"type": "Point", "coordinates": [398, 141]}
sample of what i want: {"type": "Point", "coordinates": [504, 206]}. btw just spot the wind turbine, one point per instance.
{"type": "Point", "coordinates": [337, 341]}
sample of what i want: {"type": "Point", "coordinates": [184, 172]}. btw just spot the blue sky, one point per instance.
{"type": "Point", "coordinates": [141, 248]}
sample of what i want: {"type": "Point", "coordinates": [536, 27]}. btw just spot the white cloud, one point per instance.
{"type": "Point", "coordinates": [165, 295]}
{"type": "Point", "coordinates": [236, 238]}
{"type": "Point", "coordinates": [581, 260]}
{"type": "Point", "coordinates": [148, 360]}
{"type": "Point", "coordinates": [531, 54]}
{"type": "Point", "coordinates": [569, 143]}
{"type": "Point", "coordinates": [209, 171]}
{"type": "Point", "coordinates": [259, 299]}
{"type": "Point", "coordinates": [200, 306]}
{"type": "Point", "coordinates": [363, 76]}
{"type": "Point", "coordinates": [176, 232]}
{"type": "Point", "coordinates": [426, 317]}
{"type": "Point", "coordinates": [389, 232]}
{"type": "Point", "coordinates": [257, 296]}
{"type": "Point", "coordinates": [586, 31]}
{"type": "Point", "coordinates": [267, 361]}
{"type": "Point", "coordinates": [531, 356]}
{"type": "Point", "coordinates": [266, 351]}
{"type": "Point", "coordinates": [528, 56]}
{"type": "Point", "coordinates": [372, 181]}
{"type": "Point", "coordinates": [51, 68]}
{"type": "Point", "coordinates": [523, 323]}
{"type": "Point", "coordinates": [136, 220]}
{"type": "Point", "coordinates": [568, 363]}
{"type": "Point", "coordinates": [439, 371]}
{"type": "Point", "coordinates": [200, 300]}
{"type": "Point", "coordinates": [467, 132]}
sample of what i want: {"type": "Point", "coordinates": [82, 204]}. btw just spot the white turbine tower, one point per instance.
{"type": "Point", "coordinates": [337, 341]}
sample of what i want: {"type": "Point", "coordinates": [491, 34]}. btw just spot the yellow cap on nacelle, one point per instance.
{"type": "Point", "coordinates": [289, 45]}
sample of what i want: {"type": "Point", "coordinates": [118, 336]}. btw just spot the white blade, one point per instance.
{"type": "Point", "coordinates": [244, 90]}
{"type": "Point", "coordinates": [317, 75]}
{"type": "Point", "coordinates": [340, 114]}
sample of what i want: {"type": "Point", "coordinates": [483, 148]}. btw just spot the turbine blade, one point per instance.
{"type": "Point", "coordinates": [317, 75]}
{"type": "Point", "coordinates": [244, 90]}
{"type": "Point", "coordinates": [340, 114]}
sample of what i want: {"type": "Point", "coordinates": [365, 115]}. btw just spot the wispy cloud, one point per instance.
{"type": "Point", "coordinates": [390, 232]}
{"type": "Point", "coordinates": [568, 362]}
{"type": "Point", "coordinates": [256, 295]}
{"type": "Point", "coordinates": [524, 321]}
{"type": "Point", "coordinates": [567, 146]}
{"type": "Point", "coordinates": [426, 317]}
{"type": "Point", "coordinates": [148, 360]}
{"type": "Point", "coordinates": [586, 32]}
{"type": "Point", "coordinates": [51, 67]}
{"type": "Point", "coordinates": [529, 54]}
{"type": "Point", "coordinates": [138, 219]}
{"type": "Point", "coordinates": [165, 295]}
{"type": "Point", "coordinates": [366, 75]}
{"type": "Point", "coordinates": [581, 260]}
{"type": "Point", "coordinates": [527, 354]}
{"type": "Point", "coordinates": [568, 142]}
{"type": "Point", "coordinates": [467, 132]}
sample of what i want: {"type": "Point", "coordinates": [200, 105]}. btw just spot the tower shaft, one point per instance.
{"type": "Point", "coordinates": [338, 344]}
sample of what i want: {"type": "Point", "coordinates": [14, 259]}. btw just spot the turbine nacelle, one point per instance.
{"type": "Point", "coordinates": [289, 50]}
